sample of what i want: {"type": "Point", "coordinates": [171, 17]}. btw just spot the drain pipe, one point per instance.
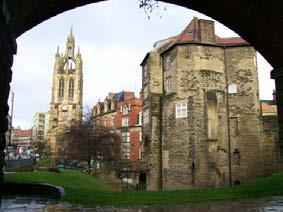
{"type": "Point", "coordinates": [228, 120]}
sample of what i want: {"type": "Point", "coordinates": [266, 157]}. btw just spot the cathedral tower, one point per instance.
{"type": "Point", "coordinates": [67, 89]}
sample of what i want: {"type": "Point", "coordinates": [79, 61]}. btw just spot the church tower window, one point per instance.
{"type": "Point", "coordinates": [61, 88]}
{"type": "Point", "coordinates": [71, 88]}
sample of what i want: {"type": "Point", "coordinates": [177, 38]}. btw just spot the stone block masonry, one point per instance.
{"type": "Point", "coordinates": [8, 48]}
{"type": "Point", "coordinates": [202, 125]}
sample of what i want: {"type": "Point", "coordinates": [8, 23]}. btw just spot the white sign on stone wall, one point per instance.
{"type": "Point", "coordinates": [232, 88]}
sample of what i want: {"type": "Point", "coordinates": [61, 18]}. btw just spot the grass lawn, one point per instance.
{"type": "Point", "coordinates": [83, 189]}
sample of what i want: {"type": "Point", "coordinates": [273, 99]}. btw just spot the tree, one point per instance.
{"type": "Point", "coordinates": [149, 5]}
{"type": "Point", "coordinates": [87, 141]}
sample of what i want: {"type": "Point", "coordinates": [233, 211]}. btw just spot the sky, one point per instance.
{"type": "Point", "coordinates": [114, 36]}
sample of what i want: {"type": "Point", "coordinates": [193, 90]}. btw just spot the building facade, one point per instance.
{"type": "Point", "coordinates": [201, 111]}
{"type": "Point", "coordinates": [67, 94]}
{"type": "Point", "coordinates": [122, 113]}
{"type": "Point", "coordinates": [269, 107]}
{"type": "Point", "coordinates": [22, 139]}
{"type": "Point", "coordinates": [39, 132]}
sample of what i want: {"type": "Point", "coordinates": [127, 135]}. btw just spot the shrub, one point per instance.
{"type": "Point", "coordinates": [44, 164]}
{"type": "Point", "coordinates": [54, 169]}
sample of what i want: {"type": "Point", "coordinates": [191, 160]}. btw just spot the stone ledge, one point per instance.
{"type": "Point", "coordinates": [33, 189]}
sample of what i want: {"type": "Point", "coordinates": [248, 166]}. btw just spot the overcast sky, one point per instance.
{"type": "Point", "coordinates": [113, 36]}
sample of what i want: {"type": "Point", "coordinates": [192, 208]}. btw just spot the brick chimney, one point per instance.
{"type": "Point", "coordinates": [206, 31]}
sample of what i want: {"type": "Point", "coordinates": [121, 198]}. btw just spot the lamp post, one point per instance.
{"type": "Point", "coordinates": [11, 121]}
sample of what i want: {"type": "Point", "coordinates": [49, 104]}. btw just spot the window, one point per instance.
{"type": "Point", "coordinates": [181, 110]}
{"type": "Point", "coordinates": [125, 137]}
{"type": "Point", "coordinates": [140, 118]}
{"type": "Point", "coordinates": [168, 85]}
{"type": "Point", "coordinates": [71, 88]}
{"type": "Point", "coordinates": [112, 120]}
{"type": "Point", "coordinates": [61, 88]}
{"type": "Point", "coordinates": [125, 110]}
{"type": "Point", "coordinates": [125, 121]}
{"type": "Point", "coordinates": [140, 154]}
{"type": "Point", "coordinates": [126, 151]}
{"type": "Point", "coordinates": [236, 157]}
{"type": "Point", "coordinates": [140, 134]}
{"type": "Point", "coordinates": [167, 63]}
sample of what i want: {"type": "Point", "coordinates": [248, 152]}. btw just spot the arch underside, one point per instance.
{"type": "Point", "coordinates": [258, 22]}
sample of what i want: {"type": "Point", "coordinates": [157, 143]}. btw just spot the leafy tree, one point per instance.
{"type": "Point", "coordinates": [87, 141]}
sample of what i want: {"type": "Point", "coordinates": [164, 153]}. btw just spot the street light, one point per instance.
{"type": "Point", "coordinates": [11, 121]}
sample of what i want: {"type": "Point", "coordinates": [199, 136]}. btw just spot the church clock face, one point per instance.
{"type": "Point", "coordinates": [64, 108]}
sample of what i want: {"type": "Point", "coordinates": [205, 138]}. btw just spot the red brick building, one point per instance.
{"type": "Point", "coordinates": [269, 107]}
{"type": "Point", "coordinates": [21, 138]}
{"type": "Point", "coordinates": [122, 112]}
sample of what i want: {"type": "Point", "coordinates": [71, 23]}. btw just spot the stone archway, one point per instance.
{"type": "Point", "coordinates": [259, 22]}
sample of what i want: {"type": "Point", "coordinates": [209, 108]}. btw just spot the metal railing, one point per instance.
{"type": "Point", "coordinates": [17, 164]}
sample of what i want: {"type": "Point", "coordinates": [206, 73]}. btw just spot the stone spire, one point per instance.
{"type": "Point", "coordinates": [70, 45]}
{"type": "Point", "coordinates": [57, 53]}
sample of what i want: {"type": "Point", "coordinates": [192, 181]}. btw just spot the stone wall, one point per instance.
{"type": "Point", "coordinates": [218, 142]}
{"type": "Point", "coordinates": [270, 145]}
{"type": "Point", "coordinates": [151, 146]}
{"type": "Point", "coordinates": [196, 153]}
{"type": "Point", "coordinates": [8, 49]}
{"type": "Point", "coordinates": [244, 114]}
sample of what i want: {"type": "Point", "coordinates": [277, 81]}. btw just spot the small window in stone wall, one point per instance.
{"type": "Point", "coordinates": [181, 110]}
{"type": "Point", "coordinates": [236, 157]}
{"type": "Point", "coordinates": [167, 63]}
{"type": "Point", "coordinates": [168, 84]}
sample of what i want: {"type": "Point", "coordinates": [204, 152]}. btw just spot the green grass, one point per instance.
{"type": "Point", "coordinates": [83, 189]}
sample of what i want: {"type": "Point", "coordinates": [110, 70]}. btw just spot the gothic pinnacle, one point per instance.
{"type": "Point", "coordinates": [71, 32]}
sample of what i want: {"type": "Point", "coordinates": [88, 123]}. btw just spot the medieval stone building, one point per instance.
{"type": "Point", "coordinates": [67, 94]}
{"type": "Point", "coordinates": [201, 111]}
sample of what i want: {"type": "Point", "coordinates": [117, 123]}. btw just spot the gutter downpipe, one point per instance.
{"type": "Point", "coordinates": [228, 121]}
